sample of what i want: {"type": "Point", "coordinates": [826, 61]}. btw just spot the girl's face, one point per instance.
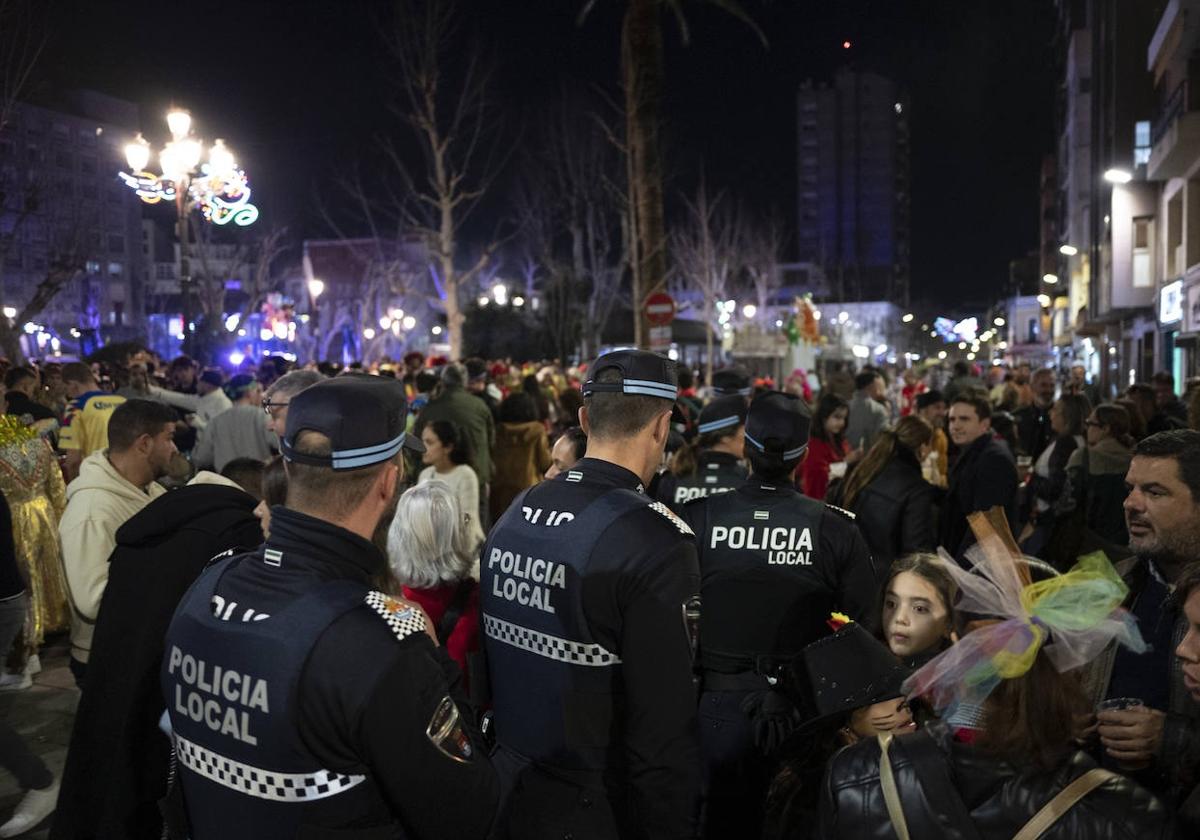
{"type": "Point", "coordinates": [836, 422]}
{"type": "Point", "coordinates": [915, 617]}
{"type": "Point", "coordinates": [436, 453]}
{"type": "Point", "coordinates": [889, 716]}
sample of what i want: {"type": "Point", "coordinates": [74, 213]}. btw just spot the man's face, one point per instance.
{"type": "Point", "coordinates": [934, 414]}
{"type": "Point", "coordinates": [277, 410]}
{"type": "Point", "coordinates": [875, 389]}
{"type": "Point", "coordinates": [1164, 394]}
{"type": "Point", "coordinates": [1043, 387]}
{"type": "Point", "coordinates": [965, 425]}
{"type": "Point", "coordinates": [161, 450]}
{"type": "Point", "coordinates": [562, 457]}
{"type": "Point", "coordinates": [1077, 375]}
{"type": "Point", "coordinates": [183, 377]}
{"type": "Point", "coordinates": [139, 379]}
{"type": "Point", "coordinates": [1189, 647]}
{"type": "Point", "coordinates": [1162, 517]}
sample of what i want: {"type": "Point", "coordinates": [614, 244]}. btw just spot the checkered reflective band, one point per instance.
{"type": "Point", "coordinates": [680, 525]}
{"type": "Point", "coordinates": [401, 618]}
{"type": "Point", "coordinates": [551, 647]}
{"type": "Point", "coordinates": [260, 783]}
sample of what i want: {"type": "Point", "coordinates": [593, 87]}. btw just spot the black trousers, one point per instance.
{"type": "Point", "coordinates": [736, 775]}
{"type": "Point", "coordinates": [15, 755]}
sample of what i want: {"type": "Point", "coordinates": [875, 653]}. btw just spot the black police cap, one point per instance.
{"type": "Point", "coordinates": [729, 381]}
{"type": "Point", "coordinates": [722, 413]}
{"type": "Point", "coordinates": [777, 424]}
{"type": "Point", "coordinates": [643, 374]}
{"type": "Point", "coordinates": [363, 417]}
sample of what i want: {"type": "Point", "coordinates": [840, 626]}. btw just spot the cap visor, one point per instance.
{"type": "Point", "coordinates": [414, 444]}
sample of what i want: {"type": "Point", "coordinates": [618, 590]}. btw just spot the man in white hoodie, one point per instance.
{"type": "Point", "coordinates": [113, 485]}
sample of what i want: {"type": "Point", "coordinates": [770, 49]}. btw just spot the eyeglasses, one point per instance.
{"type": "Point", "coordinates": [269, 407]}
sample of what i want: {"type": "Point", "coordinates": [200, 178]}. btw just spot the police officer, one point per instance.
{"type": "Point", "coordinates": [712, 462]}
{"type": "Point", "coordinates": [589, 618]}
{"type": "Point", "coordinates": [774, 565]}
{"type": "Point", "coordinates": [302, 700]}
{"type": "Point", "coordinates": [732, 380]}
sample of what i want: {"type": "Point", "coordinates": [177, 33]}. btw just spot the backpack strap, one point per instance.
{"type": "Point", "coordinates": [454, 609]}
{"type": "Point", "coordinates": [932, 772]}
{"type": "Point", "coordinates": [891, 796]}
{"type": "Point", "coordinates": [1053, 810]}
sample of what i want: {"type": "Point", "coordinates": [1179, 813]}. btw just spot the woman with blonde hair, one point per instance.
{"type": "Point", "coordinates": [889, 495]}
{"type": "Point", "coordinates": [430, 554]}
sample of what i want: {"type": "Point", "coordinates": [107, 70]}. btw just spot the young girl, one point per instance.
{"type": "Point", "coordinates": [918, 609]}
{"type": "Point", "coordinates": [826, 446]}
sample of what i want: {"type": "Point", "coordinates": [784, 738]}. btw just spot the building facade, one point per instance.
{"type": "Point", "coordinates": [64, 208]}
{"type": "Point", "coordinates": [853, 196]}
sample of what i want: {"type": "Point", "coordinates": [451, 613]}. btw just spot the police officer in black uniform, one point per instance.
{"type": "Point", "coordinates": [589, 601]}
{"type": "Point", "coordinates": [774, 565]}
{"type": "Point", "coordinates": [303, 701]}
{"type": "Point", "coordinates": [732, 380]}
{"type": "Point", "coordinates": [712, 462]}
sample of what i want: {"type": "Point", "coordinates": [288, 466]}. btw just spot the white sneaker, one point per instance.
{"type": "Point", "coordinates": [34, 807]}
{"type": "Point", "coordinates": [15, 682]}
{"type": "Point", "coordinates": [33, 665]}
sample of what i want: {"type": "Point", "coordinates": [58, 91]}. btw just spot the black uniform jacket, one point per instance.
{"type": "Point", "coordinates": [772, 592]}
{"type": "Point", "coordinates": [367, 699]}
{"type": "Point", "coordinates": [982, 799]}
{"type": "Point", "coordinates": [716, 472]}
{"type": "Point", "coordinates": [626, 589]}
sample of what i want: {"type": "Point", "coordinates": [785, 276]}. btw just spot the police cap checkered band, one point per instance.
{"type": "Point", "coordinates": [722, 413]}
{"type": "Point", "coordinates": [642, 374]}
{"type": "Point", "coordinates": [363, 417]}
{"type": "Point", "coordinates": [777, 424]}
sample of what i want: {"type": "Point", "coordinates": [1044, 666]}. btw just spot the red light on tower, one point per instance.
{"type": "Point", "coordinates": [845, 45]}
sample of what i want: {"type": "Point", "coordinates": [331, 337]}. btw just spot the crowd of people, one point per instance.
{"type": "Point", "coordinates": [617, 601]}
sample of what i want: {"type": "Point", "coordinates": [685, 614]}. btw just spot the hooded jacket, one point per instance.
{"type": "Point", "coordinates": [117, 763]}
{"type": "Point", "coordinates": [99, 501]}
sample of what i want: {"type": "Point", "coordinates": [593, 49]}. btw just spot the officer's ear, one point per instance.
{"type": "Point", "coordinates": [585, 422]}
{"type": "Point", "coordinates": [662, 428]}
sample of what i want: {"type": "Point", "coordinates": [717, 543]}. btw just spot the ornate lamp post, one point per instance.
{"type": "Point", "coordinates": [217, 187]}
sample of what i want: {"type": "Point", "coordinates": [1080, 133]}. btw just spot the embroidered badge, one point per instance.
{"type": "Point", "coordinates": [400, 617]}
{"type": "Point", "coordinates": [446, 732]}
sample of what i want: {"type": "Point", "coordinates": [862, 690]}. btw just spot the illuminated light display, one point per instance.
{"type": "Point", "coordinates": [222, 198]}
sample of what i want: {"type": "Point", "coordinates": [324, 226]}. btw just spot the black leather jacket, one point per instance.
{"type": "Point", "coordinates": [997, 799]}
{"type": "Point", "coordinates": [895, 510]}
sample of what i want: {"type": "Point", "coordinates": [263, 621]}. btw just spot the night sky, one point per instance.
{"type": "Point", "coordinates": [299, 89]}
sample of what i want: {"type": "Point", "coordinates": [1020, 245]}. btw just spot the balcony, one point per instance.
{"type": "Point", "coordinates": [1175, 137]}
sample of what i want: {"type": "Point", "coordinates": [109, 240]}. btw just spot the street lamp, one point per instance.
{"type": "Point", "coordinates": [315, 288]}
{"type": "Point", "coordinates": [1050, 279]}
{"type": "Point", "coordinates": [1118, 176]}
{"type": "Point", "coordinates": [1068, 250]}
{"type": "Point", "coordinates": [214, 186]}
{"type": "Point", "coordinates": [749, 310]}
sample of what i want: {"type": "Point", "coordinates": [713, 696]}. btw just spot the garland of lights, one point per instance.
{"type": "Point", "coordinates": [221, 197]}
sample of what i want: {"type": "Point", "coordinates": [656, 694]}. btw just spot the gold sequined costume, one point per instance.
{"type": "Point", "coordinates": [33, 485]}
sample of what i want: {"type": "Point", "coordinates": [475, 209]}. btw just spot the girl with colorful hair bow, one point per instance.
{"type": "Point", "coordinates": [1073, 617]}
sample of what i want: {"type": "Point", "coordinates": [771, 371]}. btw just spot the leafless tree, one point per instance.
{"type": "Point", "coordinates": [762, 244]}
{"type": "Point", "coordinates": [704, 250]}
{"type": "Point", "coordinates": [455, 129]}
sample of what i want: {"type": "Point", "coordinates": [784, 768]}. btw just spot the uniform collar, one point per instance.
{"type": "Point", "coordinates": [606, 472]}
{"type": "Point", "coordinates": [344, 552]}
{"type": "Point", "coordinates": [723, 458]}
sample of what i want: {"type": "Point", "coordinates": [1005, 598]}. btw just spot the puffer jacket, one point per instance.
{"type": "Point", "coordinates": [997, 799]}
{"type": "Point", "coordinates": [895, 510]}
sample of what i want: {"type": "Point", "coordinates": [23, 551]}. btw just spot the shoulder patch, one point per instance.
{"type": "Point", "coordinates": [403, 620]}
{"type": "Point", "coordinates": [842, 511]}
{"type": "Point", "coordinates": [679, 524]}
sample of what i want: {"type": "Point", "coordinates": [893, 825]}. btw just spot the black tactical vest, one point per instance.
{"type": "Point", "coordinates": [554, 687]}
{"type": "Point", "coordinates": [714, 474]}
{"type": "Point", "coordinates": [231, 693]}
{"type": "Point", "coordinates": [765, 589]}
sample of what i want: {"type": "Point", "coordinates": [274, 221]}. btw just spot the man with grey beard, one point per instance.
{"type": "Point", "coordinates": [1157, 739]}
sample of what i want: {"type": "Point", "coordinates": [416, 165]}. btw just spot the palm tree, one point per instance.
{"type": "Point", "coordinates": [642, 77]}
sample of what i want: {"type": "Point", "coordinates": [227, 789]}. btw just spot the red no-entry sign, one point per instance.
{"type": "Point", "coordinates": [660, 309]}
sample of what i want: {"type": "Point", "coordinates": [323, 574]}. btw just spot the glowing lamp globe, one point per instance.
{"type": "Point", "coordinates": [180, 123]}
{"type": "Point", "coordinates": [137, 154]}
